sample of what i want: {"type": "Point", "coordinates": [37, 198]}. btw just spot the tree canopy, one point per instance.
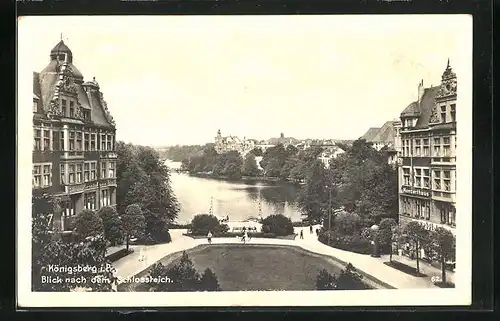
{"type": "Point", "coordinates": [143, 179]}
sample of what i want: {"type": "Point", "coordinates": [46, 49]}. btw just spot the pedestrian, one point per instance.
{"type": "Point", "coordinates": [311, 229]}
{"type": "Point", "coordinates": [301, 234]}
{"type": "Point", "coordinates": [317, 232]}
{"type": "Point", "coordinates": [243, 238]}
{"type": "Point", "coordinates": [209, 237]}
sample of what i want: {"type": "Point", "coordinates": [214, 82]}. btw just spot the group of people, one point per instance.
{"type": "Point", "coordinates": [301, 235]}
{"type": "Point", "coordinates": [245, 237]}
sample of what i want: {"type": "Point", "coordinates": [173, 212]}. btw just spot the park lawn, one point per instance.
{"type": "Point", "coordinates": [260, 267]}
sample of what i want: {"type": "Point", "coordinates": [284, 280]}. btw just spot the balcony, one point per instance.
{"type": "Point", "coordinates": [109, 155]}
{"type": "Point", "coordinates": [72, 155]}
{"type": "Point", "coordinates": [75, 188]}
{"type": "Point", "coordinates": [444, 196]}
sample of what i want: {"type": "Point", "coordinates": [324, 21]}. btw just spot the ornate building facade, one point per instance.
{"type": "Point", "coordinates": [74, 138]}
{"type": "Point", "coordinates": [427, 170]}
{"type": "Point", "coordinates": [233, 143]}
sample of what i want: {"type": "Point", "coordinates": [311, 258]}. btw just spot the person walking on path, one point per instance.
{"type": "Point", "coordinates": [243, 238]}
{"type": "Point", "coordinates": [311, 229]}
{"type": "Point", "coordinates": [301, 234]}
{"type": "Point", "coordinates": [209, 237]}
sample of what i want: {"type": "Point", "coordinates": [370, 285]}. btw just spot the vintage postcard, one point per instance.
{"type": "Point", "coordinates": [188, 161]}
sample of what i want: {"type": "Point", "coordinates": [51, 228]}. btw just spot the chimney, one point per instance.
{"type": "Point", "coordinates": [420, 91]}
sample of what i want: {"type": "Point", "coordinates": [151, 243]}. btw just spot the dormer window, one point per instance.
{"type": "Point", "coordinates": [443, 114]}
{"type": "Point", "coordinates": [452, 112]}
{"type": "Point", "coordinates": [71, 109]}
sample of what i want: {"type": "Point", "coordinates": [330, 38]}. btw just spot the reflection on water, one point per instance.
{"type": "Point", "coordinates": [239, 200]}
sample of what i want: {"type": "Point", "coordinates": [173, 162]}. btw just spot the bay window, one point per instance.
{"type": "Point", "coordinates": [62, 174]}
{"type": "Point", "coordinates": [86, 172]}
{"type": "Point", "coordinates": [37, 143]}
{"type": "Point", "coordinates": [406, 176]}
{"type": "Point", "coordinates": [426, 148]}
{"type": "Point", "coordinates": [447, 181]}
{"type": "Point", "coordinates": [437, 147]}
{"type": "Point", "coordinates": [111, 170]}
{"type": "Point", "coordinates": [79, 173]}
{"type": "Point", "coordinates": [47, 175]}
{"type": "Point", "coordinates": [37, 176]}
{"type": "Point", "coordinates": [437, 180]}
{"type": "Point", "coordinates": [86, 141]}
{"type": "Point", "coordinates": [71, 172]}
{"type": "Point", "coordinates": [103, 169]}
{"type": "Point", "coordinates": [93, 171]}
{"type": "Point", "coordinates": [46, 139]}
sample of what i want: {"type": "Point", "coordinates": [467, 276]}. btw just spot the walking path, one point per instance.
{"type": "Point", "coordinates": [146, 255]}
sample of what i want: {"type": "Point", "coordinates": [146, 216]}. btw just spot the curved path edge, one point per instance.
{"type": "Point", "coordinates": [372, 268]}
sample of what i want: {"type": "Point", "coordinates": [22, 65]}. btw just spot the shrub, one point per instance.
{"type": "Point", "coordinates": [112, 225]}
{"type": "Point", "coordinates": [203, 223]}
{"type": "Point", "coordinates": [88, 223]}
{"type": "Point", "coordinates": [353, 243]}
{"type": "Point", "coordinates": [325, 280]}
{"type": "Point", "coordinates": [350, 279]}
{"type": "Point", "coordinates": [118, 255]}
{"type": "Point", "coordinates": [277, 224]}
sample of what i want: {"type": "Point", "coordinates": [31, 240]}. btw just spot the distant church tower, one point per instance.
{"type": "Point", "coordinates": [218, 142]}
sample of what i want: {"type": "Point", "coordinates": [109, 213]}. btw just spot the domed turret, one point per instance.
{"type": "Point", "coordinates": [61, 52]}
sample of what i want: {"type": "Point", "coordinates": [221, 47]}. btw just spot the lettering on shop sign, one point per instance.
{"type": "Point", "coordinates": [418, 192]}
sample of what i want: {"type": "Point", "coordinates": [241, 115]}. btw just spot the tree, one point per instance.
{"type": "Point", "coordinates": [347, 223]}
{"type": "Point", "coordinates": [208, 281]}
{"type": "Point", "coordinates": [182, 276]}
{"type": "Point", "coordinates": [277, 224]}
{"type": "Point", "coordinates": [417, 237]}
{"type": "Point", "coordinates": [325, 281]}
{"type": "Point", "coordinates": [367, 185]}
{"type": "Point", "coordinates": [257, 151]}
{"type": "Point", "coordinates": [134, 224]}
{"type": "Point", "coordinates": [386, 233]}
{"type": "Point", "coordinates": [201, 224]}
{"type": "Point", "coordinates": [51, 252]}
{"type": "Point", "coordinates": [112, 225]}
{"type": "Point", "coordinates": [250, 167]}
{"type": "Point", "coordinates": [88, 223]}
{"type": "Point", "coordinates": [151, 188]}
{"type": "Point", "coordinates": [443, 245]}
{"type": "Point", "coordinates": [273, 160]}
{"type": "Point", "coordinates": [314, 197]}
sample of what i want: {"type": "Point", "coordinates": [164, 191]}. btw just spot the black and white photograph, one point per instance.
{"type": "Point", "coordinates": [244, 160]}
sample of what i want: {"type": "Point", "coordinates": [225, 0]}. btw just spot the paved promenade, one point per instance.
{"type": "Point", "coordinates": [146, 255]}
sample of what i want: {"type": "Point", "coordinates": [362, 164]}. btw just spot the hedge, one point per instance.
{"type": "Point", "coordinates": [353, 243]}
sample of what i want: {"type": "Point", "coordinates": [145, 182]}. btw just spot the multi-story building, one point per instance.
{"type": "Point", "coordinates": [233, 143]}
{"type": "Point", "coordinates": [427, 172]}
{"type": "Point", "coordinates": [74, 138]}
{"type": "Point", "coordinates": [381, 137]}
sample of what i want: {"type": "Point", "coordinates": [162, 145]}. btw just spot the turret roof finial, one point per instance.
{"type": "Point", "coordinates": [448, 65]}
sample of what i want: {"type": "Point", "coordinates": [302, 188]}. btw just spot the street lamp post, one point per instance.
{"type": "Point", "coordinates": [376, 252]}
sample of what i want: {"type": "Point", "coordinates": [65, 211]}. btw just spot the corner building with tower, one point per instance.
{"type": "Point", "coordinates": [427, 171]}
{"type": "Point", "coordinates": [74, 138]}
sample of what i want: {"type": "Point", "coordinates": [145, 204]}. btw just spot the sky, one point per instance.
{"type": "Point", "coordinates": [171, 80]}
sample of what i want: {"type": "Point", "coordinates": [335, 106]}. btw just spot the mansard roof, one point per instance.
{"type": "Point", "coordinates": [88, 95]}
